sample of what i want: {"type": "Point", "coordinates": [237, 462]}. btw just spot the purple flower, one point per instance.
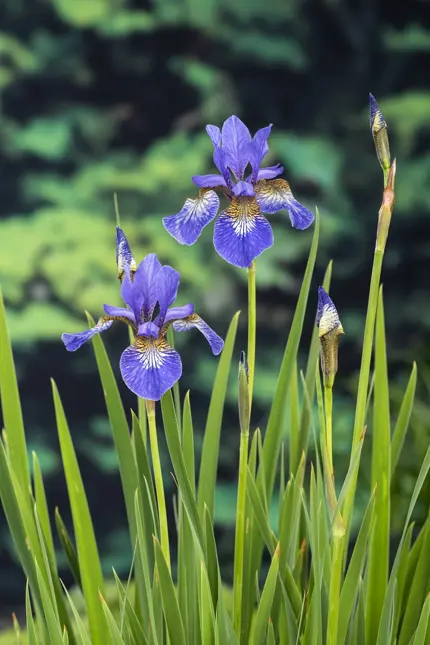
{"type": "Point", "coordinates": [241, 232]}
{"type": "Point", "coordinates": [149, 366]}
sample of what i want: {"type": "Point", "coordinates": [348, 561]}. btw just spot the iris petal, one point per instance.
{"type": "Point", "coordinates": [150, 367]}
{"type": "Point", "coordinates": [119, 312]}
{"type": "Point", "coordinates": [167, 289]}
{"type": "Point", "coordinates": [235, 143]}
{"type": "Point", "coordinates": [243, 188]}
{"type": "Point", "coordinates": [273, 196]}
{"type": "Point", "coordinates": [187, 225]}
{"type": "Point", "coordinates": [75, 341]}
{"type": "Point", "coordinates": [242, 233]}
{"type": "Point", "coordinates": [270, 172]}
{"type": "Point", "coordinates": [145, 283]}
{"type": "Point", "coordinates": [208, 181]}
{"type": "Point", "coordinates": [132, 296]}
{"type": "Point", "coordinates": [194, 321]}
{"type": "Point", "coordinates": [258, 148]}
{"type": "Point", "coordinates": [215, 134]}
{"type": "Point", "coordinates": [177, 313]}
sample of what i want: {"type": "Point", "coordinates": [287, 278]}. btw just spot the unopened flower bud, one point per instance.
{"type": "Point", "coordinates": [330, 329]}
{"type": "Point", "coordinates": [379, 130]}
{"type": "Point", "coordinates": [124, 256]}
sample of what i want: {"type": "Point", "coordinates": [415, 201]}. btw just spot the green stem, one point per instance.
{"type": "Point", "coordinates": [156, 463]}
{"type": "Point", "coordinates": [335, 584]}
{"type": "Point", "coordinates": [240, 535]}
{"type": "Point", "coordinates": [176, 393]}
{"type": "Point", "coordinates": [363, 382]}
{"type": "Point", "coordinates": [252, 327]}
{"type": "Point", "coordinates": [328, 404]}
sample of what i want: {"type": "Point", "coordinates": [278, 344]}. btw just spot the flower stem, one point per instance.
{"type": "Point", "coordinates": [161, 501]}
{"type": "Point", "coordinates": [334, 593]}
{"type": "Point", "coordinates": [328, 405]}
{"type": "Point", "coordinates": [240, 535]}
{"type": "Point", "coordinates": [252, 327]}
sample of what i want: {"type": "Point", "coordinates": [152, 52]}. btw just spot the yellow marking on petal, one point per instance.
{"type": "Point", "coordinates": [243, 211]}
{"type": "Point", "coordinates": [152, 350]}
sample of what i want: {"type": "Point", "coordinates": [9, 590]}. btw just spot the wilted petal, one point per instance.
{"type": "Point", "coordinates": [215, 134]}
{"type": "Point", "coordinates": [235, 140]}
{"type": "Point", "coordinates": [150, 367]}
{"type": "Point", "coordinates": [187, 225]}
{"type": "Point", "coordinates": [243, 189]}
{"type": "Point", "coordinates": [275, 195]}
{"type": "Point", "coordinates": [327, 317]}
{"type": "Point", "coordinates": [145, 283]}
{"type": "Point", "coordinates": [167, 289]}
{"type": "Point", "coordinates": [124, 256]}
{"type": "Point", "coordinates": [75, 341]}
{"type": "Point", "coordinates": [270, 172]}
{"type": "Point", "coordinates": [177, 313]}
{"type": "Point", "coordinates": [242, 233]}
{"type": "Point", "coordinates": [208, 181]}
{"type": "Point", "coordinates": [194, 321]}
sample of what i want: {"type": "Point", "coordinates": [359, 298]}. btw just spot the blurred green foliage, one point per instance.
{"type": "Point", "coordinates": [104, 96]}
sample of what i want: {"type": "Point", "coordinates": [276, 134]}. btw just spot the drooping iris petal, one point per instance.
{"type": "Point", "coordinates": [242, 233]}
{"type": "Point", "coordinates": [327, 318]}
{"type": "Point", "coordinates": [177, 313]}
{"type": "Point", "coordinates": [235, 138]}
{"type": "Point", "coordinates": [258, 148]}
{"type": "Point", "coordinates": [150, 367]}
{"type": "Point", "coordinates": [145, 281]}
{"type": "Point", "coordinates": [167, 289]}
{"type": "Point", "coordinates": [132, 296]}
{"type": "Point", "coordinates": [275, 195]}
{"type": "Point", "coordinates": [215, 341]}
{"type": "Point", "coordinates": [208, 181]}
{"type": "Point", "coordinates": [124, 256]}
{"type": "Point", "coordinates": [148, 329]}
{"type": "Point", "coordinates": [187, 225]}
{"type": "Point", "coordinates": [119, 312]}
{"type": "Point", "coordinates": [75, 341]}
{"type": "Point", "coordinates": [243, 188]}
{"type": "Point", "coordinates": [270, 172]}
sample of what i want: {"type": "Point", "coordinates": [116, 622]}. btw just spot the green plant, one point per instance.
{"type": "Point", "coordinates": [311, 591]}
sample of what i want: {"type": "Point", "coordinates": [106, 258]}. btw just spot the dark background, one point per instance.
{"type": "Point", "coordinates": [99, 96]}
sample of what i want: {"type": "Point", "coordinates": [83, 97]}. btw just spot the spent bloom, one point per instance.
{"type": "Point", "coordinates": [241, 231]}
{"type": "Point", "coordinates": [150, 366]}
{"type": "Point", "coordinates": [330, 329]}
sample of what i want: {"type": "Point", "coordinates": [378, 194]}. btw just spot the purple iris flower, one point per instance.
{"type": "Point", "coordinates": [241, 232]}
{"type": "Point", "coordinates": [150, 366]}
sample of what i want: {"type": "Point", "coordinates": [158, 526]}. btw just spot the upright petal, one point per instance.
{"type": "Point", "coordinates": [131, 294]}
{"type": "Point", "coordinates": [242, 233]}
{"type": "Point", "coordinates": [215, 134]}
{"type": "Point", "coordinates": [167, 289]}
{"type": "Point", "coordinates": [187, 225]}
{"type": "Point", "coordinates": [327, 318]}
{"type": "Point", "coordinates": [275, 195]}
{"type": "Point", "coordinates": [215, 341]}
{"type": "Point", "coordinates": [258, 148]}
{"type": "Point", "coordinates": [148, 329]}
{"type": "Point", "coordinates": [150, 367]}
{"type": "Point", "coordinates": [145, 282]}
{"type": "Point", "coordinates": [124, 256]}
{"type": "Point", "coordinates": [208, 181]}
{"type": "Point", "coordinates": [75, 341]}
{"type": "Point", "coordinates": [220, 161]}
{"type": "Point", "coordinates": [235, 140]}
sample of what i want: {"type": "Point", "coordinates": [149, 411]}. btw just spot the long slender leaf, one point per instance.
{"type": "Point", "coordinates": [381, 473]}
{"type": "Point", "coordinates": [402, 424]}
{"type": "Point", "coordinates": [11, 405]}
{"type": "Point", "coordinates": [210, 449]}
{"type": "Point", "coordinates": [265, 605]}
{"type": "Point", "coordinates": [88, 556]}
{"type": "Point", "coordinates": [171, 611]}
